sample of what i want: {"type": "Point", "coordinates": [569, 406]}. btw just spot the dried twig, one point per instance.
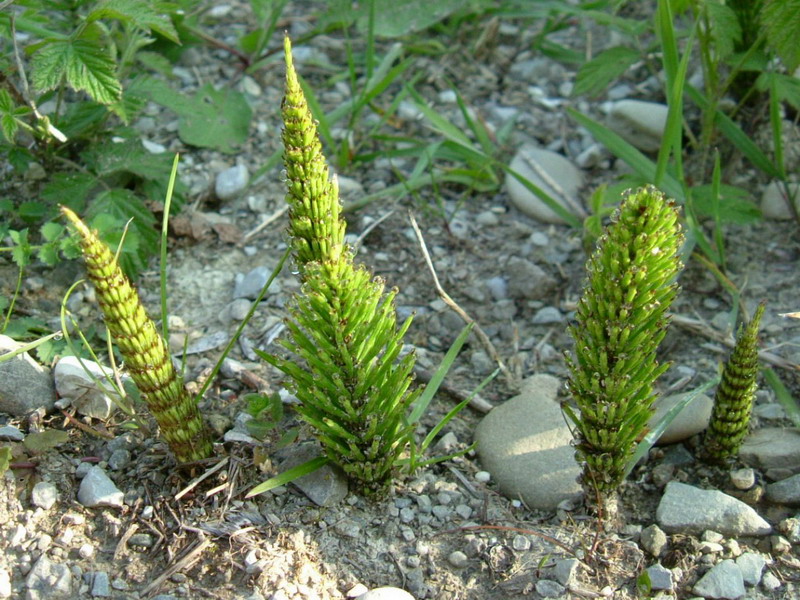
{"type": "Point", "coordinates": [185, 562]}
{"type": "Point", "coordinates": [704, 329]}
{"type": "Point", "coordinates": [194, 482]}
{"type": "Point", "coordinates": [368, 229]}
{"type": "Point", "coordinates": [484, 339]}
{"type": "Point", "coordinates": [261, 226]}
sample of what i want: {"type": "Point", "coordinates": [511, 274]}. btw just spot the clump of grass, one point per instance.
{"type": "Point", "coordinates": [144, 350]}
{"type": "Point", "coordinates": [733, 400]}
{"type": "Point", "coordinates": [353, 386]}
{"type": "Point", "coordinates": [621, 320]}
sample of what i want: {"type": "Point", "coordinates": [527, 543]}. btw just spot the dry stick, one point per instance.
{"type": "Point", "coordinates": [260, 227]}
{"type": "Point", "coordinates": [184, 563]}
{"type": "Point", "coordinates": [698, 326]}
{"type": "Point", "coordinates": [484, 339]}
{"type": "Point", "coordinates": [197, 480]}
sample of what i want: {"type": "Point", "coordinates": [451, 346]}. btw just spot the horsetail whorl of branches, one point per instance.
{"type": "Point", "coordinates": [354, 388]}
{"type": "Point", "coordinates": [621, 321]}
{"type": "Point", "coordinates": [733, 401]}
{"type": "Point", "coordinates": [143, 349]}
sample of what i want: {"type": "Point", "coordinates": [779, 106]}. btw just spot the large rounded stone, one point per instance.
{"type": "Point", "coordinates": [640, 123]}
{"type": "Point", "coordinates": [553, 174]}
{"type": "Point", "coordinates": [692, 419]}
{"type": "Point", "coordinates": [526, 445]}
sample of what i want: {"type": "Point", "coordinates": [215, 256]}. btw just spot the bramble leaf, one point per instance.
{"type": "Point", "coordinates": [781, 21]}
{"type": "Point", "coordinates": [136, 12]}
{"type": "Point", "coordinates": [594, 76]}
{"type": "Point", "coordinates": [83, 63]}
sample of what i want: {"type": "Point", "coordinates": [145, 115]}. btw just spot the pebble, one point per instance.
{"type": "Point", "coordinates": [483, 476]}
{"type": "Point", "coordinates": [547, 316]}
{"type": "Point", "coordinates": [550, 172]}
{"type": "Point", "coordinates": [5, 583]}
{"type": "Point", "coordinates": [97, 489]}
{"type": "Point", "coordinates": [44, 495]}
{"type": "Point", "coordinates": [770, 412]}
{"type": "Point", "coordinates": [458, 559]}
{"type": "Point", "coordinates": [566, 571]}
{"type": "Point", "coordinates": [772, 447]}
{"type": "Point", "coordinates": [90, 398]}
{"type": "Point", "coordinates": [119, 459]}
{"type": "Point", "coordinates": [724, 580]}
{"type": "Point", "coordinates": [153, 147]}
{"type": "Point", "coordinates": [751, 566]}
{"type": "Point", "coordinates": [773, 202]}
{"type": "Point", "coordinates": [638, 122]}
{"type": "Point", "coordinates": [785, 492]}
{"type": "Point", "coordinates": [660, 577]}
{"type": "Point", "coordinates": [101, 586]}
{"type": "Point", "coordinates": [687, 509]}
{"type": "Point", "coordinates": [48, 579]}
{"type": "Point", "coordinates": [527, 447]}
{"type": "Point", "coordinates": [521, 543]}
{"type": "Point", "coordinates": [769, 582]}
{"type": "Point", "coordinates": [549, 589]}
{"type": "Point", "coordinates": [386, 593]}
{"type": "Point", "coordinates": [10, 433]}
{"type": "Point", "coordinates": [25, 385]}
{"type": "Point", "coordinates": [692, 419]}
{"type": "Point", "coordinates": [654, 540]}
{"type": "Point", "coordinates": [231, 182]}
{"type": "Point", "coordinates": [528, 281]}
{"type": "Point", "coordinates": [743, 479]}
{"type": "Point", "coordinates": [498, 287]}
{"type": "Point", "coordinates": [250, 285]}
{"type": "Point", "coordinates": [487, 218]}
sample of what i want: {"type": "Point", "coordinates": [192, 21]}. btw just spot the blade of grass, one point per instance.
{"type": "Point", "coordinates": [289, 476]}
{"type": "Point", "coordinates": [162, 271]}
{"type": "Point", "coordinates": [716, 182]}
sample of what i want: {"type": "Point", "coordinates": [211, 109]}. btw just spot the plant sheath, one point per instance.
{"type": "Point", "coordinates": [144, 350]}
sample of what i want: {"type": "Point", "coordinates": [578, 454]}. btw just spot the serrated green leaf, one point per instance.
{"type": "Point", "coordinates": [781, 21]}
{"type": "Point", "coordinates": [21, 253]}
{"type": "Point", "coordinates": [45, 440]}
{"type": "Point", "coordinates": [48, 254]}
{"type": "Point", "coordinates": [141, 13]}
{"type": "Point", "coordinates": [155, 61]}
{"type": "Point", "coordinates": [130, 157]}
{"type": "Point", "coordinates": [725, 27]}
{"type": "Point", "coordinates": [51, 231]}
{"type": "Point", "coordinates": [31, 211]}
{"type": "Point", "coordinates": [70, 189]}
{"type": "Point", "coordinates": [594, 76]}
{"type": "Point", "coordinates": [786, 87]}
{"type": "Point", "coordinates": [84, 64]}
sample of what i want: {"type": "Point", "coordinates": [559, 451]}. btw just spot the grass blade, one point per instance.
{"type": "Point", "coordinates": [289, 476]}
{"type": "Point", "coordinates": [784, 396]}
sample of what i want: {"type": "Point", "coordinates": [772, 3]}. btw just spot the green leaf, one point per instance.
{"type": "Point", "coordinates": [84, 64]}
{"type": "Point", "coordinates": [781, 20]}
{"type": "Point", "coordinates": [783, 395]}
{"type": "Point", "coordinates": [211, 118]}
{"type": "Point", "coordinates": [289, 476]}
{"type": "Point", "coordinates": [45, 440]}
{"type": "Point", "coordinates": [725, 27]}
{"type": "Point", "coordinates": [51, 231]}
{"type": "Point", "coordinates": [21, 254]}
{"type": "Point", "coordinates": [130, 157]}
{"type": "Point", "coordinates": [595, 75]}
{"type": "Point", "coordinates": [141, 13]}
{"type": "Point", "coordinates": [31, 211]}
{"type": "Point", "coordinates": [11, 116]}
{"type": "Point", "coordinates": [786, 87]}
{"type": "Point", "coordinates": [70, 189]}
{"type": "Point", "coordinates": [736, 206]}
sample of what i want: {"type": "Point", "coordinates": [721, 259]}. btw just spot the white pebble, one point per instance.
{"type": "Point", "coordinates": [483, 476]}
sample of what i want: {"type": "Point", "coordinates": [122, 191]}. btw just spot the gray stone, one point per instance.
{"type": "Point", "coordinates": [752, 566]}
{"type": "Point", "coordinates": [101, 587]}
{"type": "Point", "coordinates": [566, 571]}
{"type": "Point", "coordinates": [249, 286]}
{"type": "Point", "coordinates": [770, 583]}
{"type": "Point", "coordinates": [654, 540]}
{"type": "Point", "coordinates": [98, 490]}
{"type": "Point", "coordinates": [692, 419]}
{"type": "Point", "coordinates": [5, 583]}
{"type": "Point", "coordinates": [660, 577]}
{"type": "Point", "coordinates": [25, 385]}
{"type": "Point", "coordinates": [547, 316]}
{"type": "Point", "coordinates": [724, 580]}
{"type": "Point", "coordinates": [774, 204]}
{"type": "Point", "coordinates": [324, 487]}
{"type": "Point", "coordinates": [527, 281]}
{"type": "Point", "coordinates": [231, 182]}
{"type": "Point", "coordinates": [11, 434]}
{"type": "Point", "coordinates": [527, 447]}
{"type": "Point", "coordinates": [687, 509]}
{"type": "Point", "coordinates": [553, 174]}
{"type": "Point", "coordinates": [91, 399]}
{"type": "Point", "coordinates": [48, 580]}
{"type": "Point", "coordinates": [640, 123]}
{"type": "Point", "coordinates": [458, 559]}
{"type": "Point", "coordinates": [771, 411]}
{"type": "Point", "coordinates": [498, 287]}
{"type": "Point", "coordinates": [772, 448]}
{"type": "Point", "coordinates": [549, 589]}
{"type": "Point", "coordinates": [743, 479]}
{"type": "Point", "coordinates": [119, 459]}
{"type": "Point", "coordinates": [785, 492]}
{"type": "Point", "coordinates": [44, 495]}
{"type": "Point", "coordinates": [386, 593]}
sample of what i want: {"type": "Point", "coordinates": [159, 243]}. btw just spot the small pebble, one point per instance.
{"type": "Point", "coordinates": [458, 559]}
{"type": "Point", "coordinates": [483, 476]}
{"type": "Point", "coordinates": [44, 495]}
{"type": "Point", "coordinates": [520, 543]}
{"type": "Point", "coordinates": [743, 479]}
